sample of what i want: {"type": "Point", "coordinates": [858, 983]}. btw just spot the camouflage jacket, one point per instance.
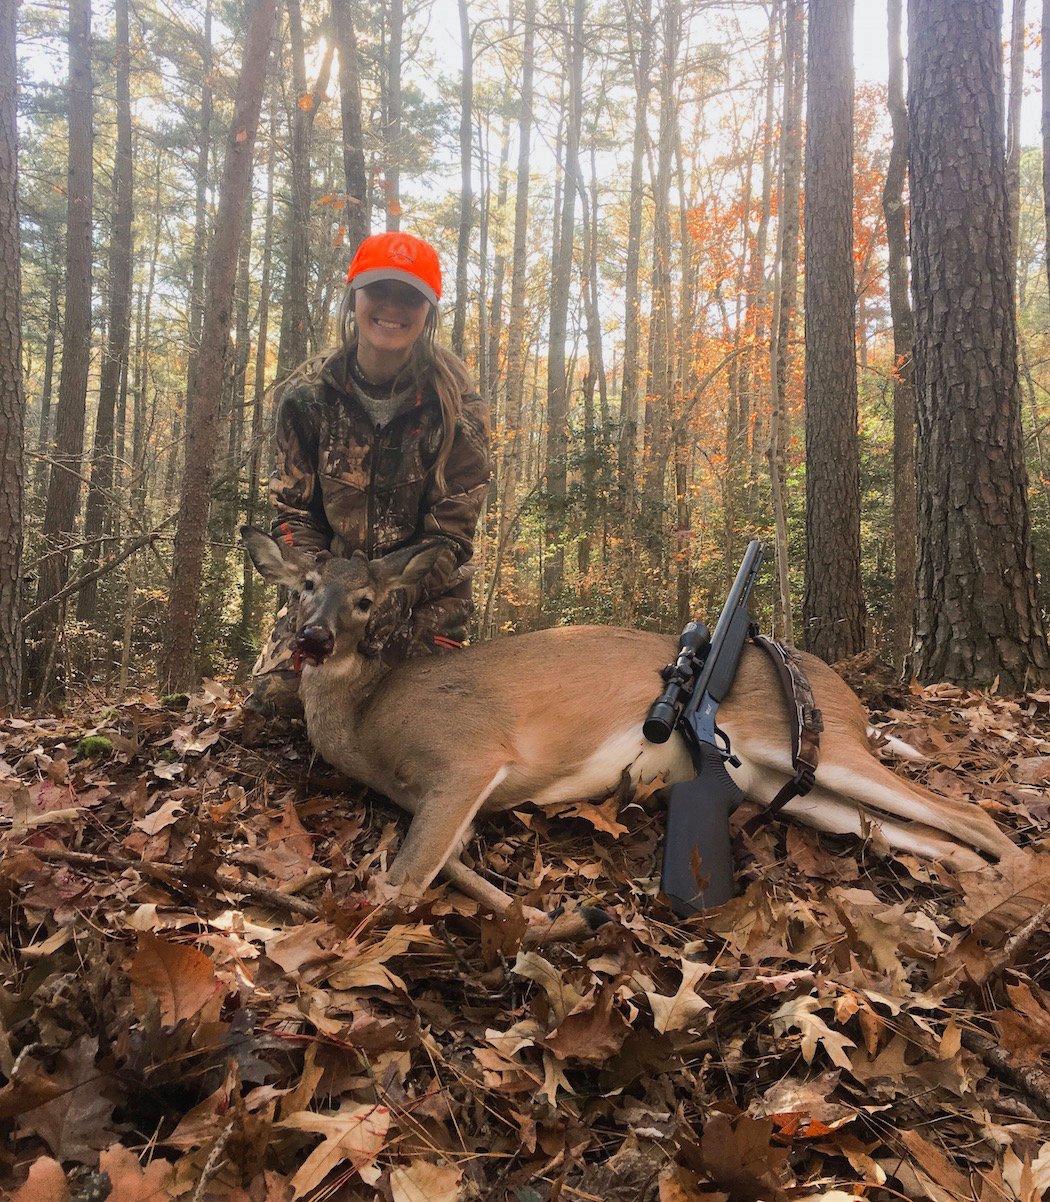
{"type": "Point", "coordinates": [343, 483]}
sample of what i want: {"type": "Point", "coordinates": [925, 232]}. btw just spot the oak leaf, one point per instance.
{"type": "Point", "coordinates": [421, 1181]}
{"type": "Point", "coordinates": [75, 1124]}
{"type": "Point", "coordinates": [182, 979]}
{"type": "Point", "coordinates": [130, 1181]}
{"type": "Point", "coordinates": [798, 1015]}
{"type": "Point", "coordinates": [46, 1183]}
{"type": "Point", "coordinates": [682, 1010]}
{"type": "Point", "coordinates": [355, 1133]}
{"type": "Point", "coordinates": [593, 1032]}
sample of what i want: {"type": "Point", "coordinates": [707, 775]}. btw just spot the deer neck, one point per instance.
{"type": "Point", "coordinates": [334, 694]}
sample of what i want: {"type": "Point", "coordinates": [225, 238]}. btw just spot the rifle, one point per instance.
{"type": "Point", "coordinates": [697, 843]}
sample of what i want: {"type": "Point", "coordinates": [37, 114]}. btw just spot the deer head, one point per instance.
{"type": "Point", "coordinates": [336, 596]}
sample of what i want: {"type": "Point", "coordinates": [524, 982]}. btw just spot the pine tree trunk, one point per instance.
{"type": "Point", "coordinates": [358, 202]}
{"type": "Point", "coordinates": [977, 614]}
{"type": "Point", "coordinates": [1046, 130]}
{"type": "Point", "coordinates": [44, 432]}
{"type": "Point", "coordinates": [63, 492]}
{"type": "Point", "coordinates": [904, 518]}
{"type": "Point", "coordinates": [557, 376]}
{"type": "Point", "coordinates": [393, 108]}
{"type": "Point", "coordinates": [294, 342]}
{"type": "Point", "coordinates": [499, 274]}
{"type": "Point", "coordinates": [466, 196]}
{"type": "Point", "coordinates": [517, 344]}
{"type": "Point", "coordinates": [200, 223]}
{"type": "Point", "coordinates": [1013, 128]}
{"type": "Point", "coordinates": [629, 389]}
{"type": "Point", "coordinates": [114, 359]}
{"type": "Point", "coordinates": [12, 394]}
{"type": "Point", "coordinates": [784, 304]}
{"type": "Point", "coordinates": [177, 670]}
{"type": "Point", "coordinates": [834, 602]}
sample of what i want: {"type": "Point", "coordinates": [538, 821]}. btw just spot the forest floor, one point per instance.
{"type": "Point", "coordinates": [854, 1024]}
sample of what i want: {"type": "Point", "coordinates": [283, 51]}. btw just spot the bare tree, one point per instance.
{"type": "Point", "coordinates": [904, 517]}
{"type": "Point", "coordinates": [115, 358]}
{"type": "Point", "coordinates": [977, 615]}
{"type": "Point", "coordinates": [1013, 125]}
{"type": "Point", "coordinates": [358, 203]}
{"type": "Point", "coordinates": [63, 492]}
{"type": "Point", "coordinates": [834, 601]}
{"type": "Point", "coordinates": [177, 670]}
{"type": "Point", "coordinates": [12, 395]}
{"type": "Point", "coordinates": [466, 195]}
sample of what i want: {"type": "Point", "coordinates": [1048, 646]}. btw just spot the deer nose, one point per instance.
{"type": "Point", "coordinates": [315, 642]}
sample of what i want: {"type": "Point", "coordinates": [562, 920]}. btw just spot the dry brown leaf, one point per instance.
{"type": "Point", "coordinates": [798, 1015]}
{"type": "Point", "coordinates": [130, 1181]}
{"type": "Point", "coordinates": [941, 1179]}
{"type": "Point", "coordinates": [182, 979]}
{"type": "Point", "coordinates": [356, 1133]}
{"type": "Point", "coordinates": [46, 1183]}
{"type": "Point", "coordinates": [75, 1124]}
{"type": "Point", "coordinates": [421, 1181]}
{"type": "Point", "coordinates": [682, 1010]}
{"type": "Point", "coordinates": [593, 1032]}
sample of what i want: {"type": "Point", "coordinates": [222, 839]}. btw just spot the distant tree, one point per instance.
{"type": "Point", "coordinates": [785, 298]}
{"type": "Point", "coordinates": [115, 359]}
{"type": "Point", "coordinates": [977, 616]}
{"type": "Point", "coordinates": [834, 604]}
{"type": "Point", "coordinates": [358, 218]}
{"type": "Point", "coordinates": [466, 196]}
{"type": "Point", "coordinates": [63, 492]}
{"type": "Point", "coordinates": [177, 669]}
{"type": "Point", "coordinates": [1046, 128]}
{"type": "Point", "coordinates": [12, 396]}
{"type": "Point", "coordinates": [903, 349]}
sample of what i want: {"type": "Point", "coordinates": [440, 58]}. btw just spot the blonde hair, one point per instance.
{"type": "Point", "coordinates": [430, 363]}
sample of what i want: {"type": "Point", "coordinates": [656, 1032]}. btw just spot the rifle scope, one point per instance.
{"type": "Point", "coordinates": [666, 710]}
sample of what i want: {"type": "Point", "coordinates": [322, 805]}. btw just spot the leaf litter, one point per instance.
{"type": "Point", "coordinates": [199, 1001]}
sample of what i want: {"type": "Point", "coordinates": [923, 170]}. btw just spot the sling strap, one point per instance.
{"type": "Point", "coordinates": [806, 726]}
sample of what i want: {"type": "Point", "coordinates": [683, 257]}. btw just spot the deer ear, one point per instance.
{"type": "Point", "coordinates": [276, 562]}
{"type": "Point", "coordinates": [410, 565]}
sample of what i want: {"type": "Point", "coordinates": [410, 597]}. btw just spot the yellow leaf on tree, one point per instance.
{"type": "Point", "coordinates": [306, 101]}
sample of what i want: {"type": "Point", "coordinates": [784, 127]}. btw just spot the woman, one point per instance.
{"type": "Point", "coordinates": [381, 444]}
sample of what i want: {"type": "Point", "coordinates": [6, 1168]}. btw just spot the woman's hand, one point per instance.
{"type": "Point", "coordinates": [392, 612]}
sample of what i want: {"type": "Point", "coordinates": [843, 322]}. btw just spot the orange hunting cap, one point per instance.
{"type": "Point", "coordinates": [397, 256]}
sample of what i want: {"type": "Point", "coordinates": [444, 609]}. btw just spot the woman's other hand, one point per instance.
{"type": "Point", "coordinates": [392, 612]}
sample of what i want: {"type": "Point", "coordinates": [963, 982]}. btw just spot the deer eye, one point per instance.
{"type": "Point", "coordinates": [364, 604]}
{"type": "Point", "coordinates": [308, 585]}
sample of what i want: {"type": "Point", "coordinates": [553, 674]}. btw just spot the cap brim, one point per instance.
{"type": "Point", "coordinates": [363, 278]}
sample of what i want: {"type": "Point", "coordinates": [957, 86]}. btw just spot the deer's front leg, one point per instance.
{"type": "Point", "coordinates": [440, 825]}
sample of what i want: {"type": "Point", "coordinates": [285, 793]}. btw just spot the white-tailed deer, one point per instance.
{"type": "Point", "coordinates": [556, 715]}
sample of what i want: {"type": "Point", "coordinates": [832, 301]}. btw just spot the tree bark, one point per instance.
{"type": "Point", "coordinates": [63, 492]}
{"type": "Point", "coordinates": [977, 613]}
{"type": "Point", "coordinates": [785, 301]}
{"type": "Point", "coordinates": [12, 394]}
{"type": "Point", "coordinates": [517, 343]}
{"type": "Point", "coordinates": [200, 223]}
{"type": "Point", "coordinates": [1013, 128]}
{"type": "Point", "coordinates": [557, 378]}
{"type": "Point", "coordinates": [177, 670]}
{"type": "Point", "coordinates": [629, 389]}
{"type": "Point", "coordinates": [466, 195]}
{"type": "Point", "coordinates": [294, 340]}
{"type": "Point", "coordinates": [834, 602]}
{"type": "Point", "coordinates": [904, 517]}
{"type": "Point", "coordinates": [44, 432]}
{"type": "Point", "coordinates": [1046, 130]}
{"type": "Point", "coordinates": [393, 109]}
{"type": "Point", "coordinates": [115, 356]}
{"type": "Point", "coordinates": [358, 203]}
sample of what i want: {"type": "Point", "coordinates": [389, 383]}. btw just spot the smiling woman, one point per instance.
{"type": "Point", "coordinates": [381, 444]}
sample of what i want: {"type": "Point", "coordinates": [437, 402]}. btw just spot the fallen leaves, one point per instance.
{"type": "Point", "coordinates": [814, 1039]}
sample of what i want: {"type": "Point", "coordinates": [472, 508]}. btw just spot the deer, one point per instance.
{"type": "Point", "coordinates": [554, 716]}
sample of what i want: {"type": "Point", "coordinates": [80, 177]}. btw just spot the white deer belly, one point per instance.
{"type": "Point", "coordinates": [600, 773]}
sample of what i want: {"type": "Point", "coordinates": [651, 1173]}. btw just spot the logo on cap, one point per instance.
{"type": "Point", "coordinates": [403, 252]}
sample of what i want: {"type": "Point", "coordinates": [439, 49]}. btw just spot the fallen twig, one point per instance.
{"type": "Point", "coordinates": [1031, 1081]}
{"type": "Point", "coordinates": [167, 875]}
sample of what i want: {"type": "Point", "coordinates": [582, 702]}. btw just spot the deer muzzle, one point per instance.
{"type": "Point", "coordinates": [314, 643]}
